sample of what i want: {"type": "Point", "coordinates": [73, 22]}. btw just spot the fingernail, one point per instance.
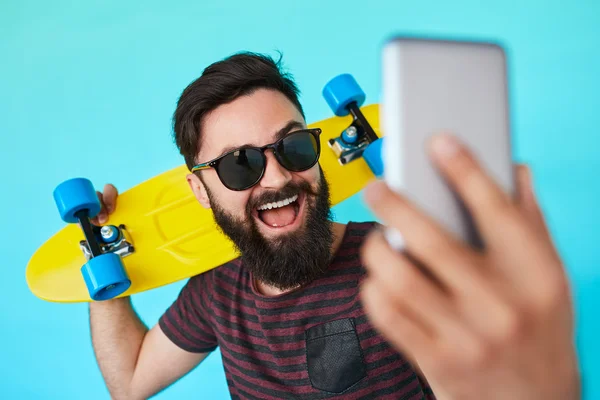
{"type": "Point", "coordinates": [445, 146]}
{"type": "Point", "coordinates": [523, 176]}
{"type": "Point", "coordinates": [394, 239]}
{"type": "Point", "coordinates": [528, 177]}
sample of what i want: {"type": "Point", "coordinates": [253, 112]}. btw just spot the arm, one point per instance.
{"type": "Point", "coordinates": [135, 362]}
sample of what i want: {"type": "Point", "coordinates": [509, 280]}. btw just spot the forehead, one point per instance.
{"type": "Point", "coordinates": [252, 119]}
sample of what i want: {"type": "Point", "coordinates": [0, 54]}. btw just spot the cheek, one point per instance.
{"type": "Point", "coordinates": [234, 202]}
{"type": "Point", "coordinates": [312, 176]}
{"type": "Point", "coordinates": [239, 200]}
{"type": "Point", "coordinates": [231, 201]}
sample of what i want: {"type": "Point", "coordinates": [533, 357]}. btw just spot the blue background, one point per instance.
{"type": "Point", "coordinates": [88, 88]}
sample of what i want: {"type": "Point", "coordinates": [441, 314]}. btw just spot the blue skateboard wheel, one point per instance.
{"type": "Point", "coordinates": [105, 277]}
{"type": "Point", "coordinates": [342, 90]}
{"type": "Point", "coordinates": [372, 156]}
{"type": "Point", "coordinates": [75, 195]}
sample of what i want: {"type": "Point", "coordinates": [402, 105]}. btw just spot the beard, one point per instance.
{"type": "Point", "coordinates": [289, 260]}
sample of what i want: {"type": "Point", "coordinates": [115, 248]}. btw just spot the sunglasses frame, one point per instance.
{"type": "Point", "coordinates": [214, 163]}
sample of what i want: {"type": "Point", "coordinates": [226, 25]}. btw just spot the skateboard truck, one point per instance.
{"type": "Point", "coordinates": [104, 274]}
{"type": "Point", "coordinates": [108, 238]}
{"type": "Point", "coordinates": [359, 140]}
{"type": "Point", "coordinates": [353, 141]}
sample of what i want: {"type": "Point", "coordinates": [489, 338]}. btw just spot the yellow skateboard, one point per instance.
{"type": "Point", "coordinates": [160, 234]}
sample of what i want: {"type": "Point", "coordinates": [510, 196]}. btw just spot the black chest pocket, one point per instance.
{"type": "Point", "coordinates": [334, 356]}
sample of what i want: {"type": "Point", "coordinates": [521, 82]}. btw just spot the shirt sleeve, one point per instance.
{"type": "Point", "coordinates": [186, 322]}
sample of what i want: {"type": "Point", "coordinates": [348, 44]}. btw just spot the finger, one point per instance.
{"type": "Point", "coordinates": [541, 245]}
{"type": "Point", "coordinates": [399, 326]}
{"type": "Point", "coordinates": [433, 352]}
{"type": "Point", "coordinates": [464, 273]}
{"type": "Point", "coordinates": [486, 201]}
{"type": "Point", "coordinates": [407, 287]}
{"type": "Point", "coordinates": [110, 197]}
{"type": "Point", "coordinates": [500, 219]}
{"type": "Point", "coordinates": [451, 262]}
{"type": "Point", "coordinates": [102, 216]}
{"type": "Point", "coordinates": [452, 316]}
{"type": "Point", "coordinates": [527, 200]}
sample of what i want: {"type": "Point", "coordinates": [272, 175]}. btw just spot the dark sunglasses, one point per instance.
{"type": "Point", "coordinates": [242, 168]}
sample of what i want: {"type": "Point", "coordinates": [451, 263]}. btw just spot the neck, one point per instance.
{"type": "Point", "coordinates": [338, 236]}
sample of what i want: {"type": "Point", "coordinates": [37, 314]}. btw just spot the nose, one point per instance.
{"type": "Point", "coordinates": [275, 176]}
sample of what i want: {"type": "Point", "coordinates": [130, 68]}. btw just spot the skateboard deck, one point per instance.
{"type": "Point", "coordinates": [173, 236]}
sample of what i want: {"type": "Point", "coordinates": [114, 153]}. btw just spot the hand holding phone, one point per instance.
{"type": "Point", "coordinates": [493, 322]}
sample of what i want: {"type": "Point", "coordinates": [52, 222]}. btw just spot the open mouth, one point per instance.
{"type": "Point", "coordinates": [281, 215]}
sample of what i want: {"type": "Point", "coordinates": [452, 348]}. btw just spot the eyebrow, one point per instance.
{"type": "Point", "coordinates": [292, 124]}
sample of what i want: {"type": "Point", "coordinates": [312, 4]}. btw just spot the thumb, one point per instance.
{"type": "Point", "coordinates": [110, 197]}
{"type": "Point", "coordinates": [108, 203]}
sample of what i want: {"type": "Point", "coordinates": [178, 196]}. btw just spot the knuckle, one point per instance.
{"type": "Point", "coordinates": [463, 162]}
{"type": "Point", "coordinates": [378, 313]}
{"type": "Point", "coordinates": [508, 214]}
{"type": "Point", "coordinates": [503, 209]}
{"type": "Point", "coordinates": [408, 282]}
{"type": "Point", "coordinates": [432, 241]}
{"type": "Point", "coordinates": [478, 355]}
{"type": "Point", "coordinates": [476, 186]}
{"type": "Point", "coordinates": [510, 327]}
{"type": "Point", "coordinates": [386, 315]}
{"type": "Point", "coordinates": [369, 251]}
{"type": "Point", "coordinates": [366, 294]}
{"type": "Point", "coordinates": [554, 292]}
{"type": "Point", "coordinates": [468, 176]}
{"type": "Point", "coordinates": [446, 360]}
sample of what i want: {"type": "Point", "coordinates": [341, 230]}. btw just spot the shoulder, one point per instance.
{"type": "Point", "coordinates": [207, 281]}
{"type": "Point", "coordinates": [357, 232]}
{"type": "Point", "coordinates": [348, 257]}
{"type": "Point", "coordinates": [361, 229]}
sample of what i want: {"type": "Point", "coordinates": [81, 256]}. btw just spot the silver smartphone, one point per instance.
{"type": "Point", "coordinates": [430, 86]}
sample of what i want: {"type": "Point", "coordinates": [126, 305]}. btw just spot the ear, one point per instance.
{"type": "Point", "coordinates": [199, 190]}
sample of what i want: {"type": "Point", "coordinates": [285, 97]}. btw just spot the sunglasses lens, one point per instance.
{"type": "Point", "coordinates": [241, 168]}
{"type": "Point", "coordinates": [298, 151]}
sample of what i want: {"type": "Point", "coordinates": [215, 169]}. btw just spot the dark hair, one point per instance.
{"type": "Point", "coordinates": [221, 83]}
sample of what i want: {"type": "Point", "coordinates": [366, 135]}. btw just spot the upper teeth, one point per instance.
{"type": "Point", "coordinates": [278, 204]}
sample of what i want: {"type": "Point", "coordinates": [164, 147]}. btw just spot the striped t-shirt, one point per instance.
{"type": "Point", "coordinates": [312, 343]}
